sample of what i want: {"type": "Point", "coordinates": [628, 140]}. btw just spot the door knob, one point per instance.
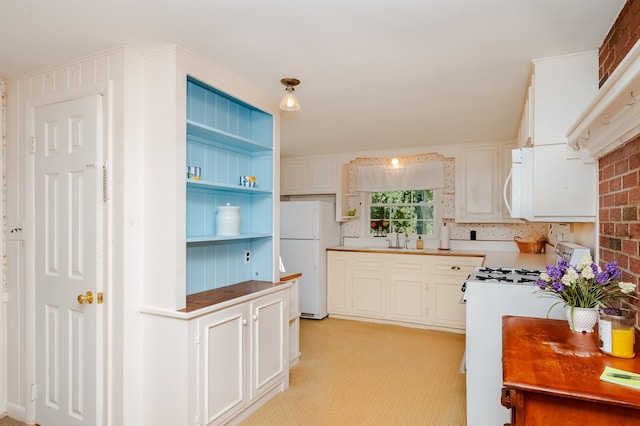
{"type": "Point", "coordinates": [85, 298]}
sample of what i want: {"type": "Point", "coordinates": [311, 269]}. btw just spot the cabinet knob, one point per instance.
{"type": "Point", "coordinates": [255, 317]}
{"type": "Point", "coordinates": [244, 322]}
{"type": "Point", "coordinates": [455, 268]}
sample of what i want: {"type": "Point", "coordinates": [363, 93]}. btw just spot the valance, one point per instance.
{"type": "Point", "coordinates": [408, 176]}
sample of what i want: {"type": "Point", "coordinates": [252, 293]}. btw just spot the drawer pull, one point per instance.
{"type": "Point", "coordinates": [455, 268]}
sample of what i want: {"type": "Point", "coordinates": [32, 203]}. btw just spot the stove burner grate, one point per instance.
{"type": "Point", "coordinates": [495, 270]}
{"type": "Point", "coordinates": [490, 277]}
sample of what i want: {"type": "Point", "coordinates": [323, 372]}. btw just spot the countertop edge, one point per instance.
{"type": "Point", "coordinates": [199, 304]}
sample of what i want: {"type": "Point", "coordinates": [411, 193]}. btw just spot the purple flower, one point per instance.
{"type": "Point", "coordinates": [542, 284]}
{"type": "Point", "coordinates": [613, 271]}
{"type": "Point", "coordinates": [557, 286]}
{"type": "Point", "coordinates": [554, 272]}
{"type": "Point", "coordinates": [602, 277]}
{"type": "Point", "coordinates": [563, 265]}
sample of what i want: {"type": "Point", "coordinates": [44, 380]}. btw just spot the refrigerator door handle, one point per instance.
{"type": "Point", "coordinates": [316, 255]}
{"type": "Point", "coordinates": [315, 223]}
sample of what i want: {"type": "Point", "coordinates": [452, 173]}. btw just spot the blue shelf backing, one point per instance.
{"type": "Point", "coordinates": [227, 139]}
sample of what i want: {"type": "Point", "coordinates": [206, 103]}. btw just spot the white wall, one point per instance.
{"type": "Point", "coordinates": [3, 318]}
{"type": "Point", "coordinates": [119, 71]}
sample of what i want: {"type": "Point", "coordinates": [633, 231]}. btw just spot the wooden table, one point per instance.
{"type": "Point", "coordinates": [551, 376]}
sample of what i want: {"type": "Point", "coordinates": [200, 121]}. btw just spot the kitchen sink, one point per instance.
{"type": "Point", "coordinates": [394, 250]}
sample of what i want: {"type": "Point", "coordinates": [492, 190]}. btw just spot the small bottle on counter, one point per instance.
{"type": "Point", "coordinates": [419, 243]}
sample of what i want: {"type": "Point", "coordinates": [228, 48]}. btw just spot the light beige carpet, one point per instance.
{"type": "Point", "coordinates": [8, 421]}
{"type": "Point", "coordinates": [357, 373]}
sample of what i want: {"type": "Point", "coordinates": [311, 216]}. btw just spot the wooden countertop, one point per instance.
{"type": "Point", "coordinates": [545, 357]}
{"type": "Point", "coordinates": [224, 294]}
{"type": "Point", "coordinates": [494, 259]}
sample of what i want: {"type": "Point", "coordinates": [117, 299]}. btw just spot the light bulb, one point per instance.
{"type": "Point", "coordinates": [289, 101]}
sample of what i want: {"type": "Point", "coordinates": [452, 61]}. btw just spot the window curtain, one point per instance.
{"type": "Point", "coordinates": [409, 176]}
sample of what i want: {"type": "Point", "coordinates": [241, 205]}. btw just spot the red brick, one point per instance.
{"type": "Point", "coordinates": [608, 228]}
{"type": "Point", "coordinates": [606, 172]}
{"type": "Point", "coordinates": [606, 255]}
{"type": "Point", "coordinates": [634, 266]}
{"type": "Point", "coordinates": [615, 184]}
{"type": "Point", "coordinates": [622, 230]}
{"type": "Point", "coordinates": [621, 167]}
{"type": "Point", "coordinates": [630, 180]}
{"type": "Point", "coordinates": [615, 215]}
{"type": "Point", "coordinates": [621, 198]}
{"type": "Point", "coordinates": [634, 230]}
{"type": "Point", "coordinates": [603, 215]}
{"type": "Point", "coordinates": [622, 259]}
{"type": "Point", "coordinates": [634, 162]}
{"type": "Point", "coordinates": [608, 200]}
{"type": "Point", "coordinates": [630, 247]}
{"type": "Point", "coordinates": [633, 196]}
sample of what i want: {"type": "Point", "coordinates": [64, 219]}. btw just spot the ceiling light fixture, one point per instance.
{"type": "Point", "coordinates": [289, 101]}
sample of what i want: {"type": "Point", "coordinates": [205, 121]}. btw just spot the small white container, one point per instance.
{"type": "Point", "coordinates": [228, 220]}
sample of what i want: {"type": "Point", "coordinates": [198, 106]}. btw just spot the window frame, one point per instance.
{"type": "Point", "coordinates": [365, 202]}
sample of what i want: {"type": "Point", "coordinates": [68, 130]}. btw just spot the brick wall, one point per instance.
{"type": "Point", "coordinates": [623, 35]}
{"type": "Point", "coordinates": [619, 180]}
{"type": "Point", "coordinates": [619, 194]}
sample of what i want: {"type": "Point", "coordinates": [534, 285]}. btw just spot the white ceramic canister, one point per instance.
{"type": "Point", "coordinates": [228, 220]}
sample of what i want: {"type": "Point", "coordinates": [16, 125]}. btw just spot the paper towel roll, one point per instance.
{"type": "Point", "coordinates": [444, 237]}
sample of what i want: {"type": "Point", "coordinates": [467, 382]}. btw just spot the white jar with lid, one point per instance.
{"type": "Point", "coordinates": [228, 220]}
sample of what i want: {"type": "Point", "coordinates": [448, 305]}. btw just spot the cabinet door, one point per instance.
{"type": "Point", "coordinates": [270, 343]}
{"type": "Point", "coordinates": [308, 176]}
{"type": "Point", "coordinates": [338, 283]}
{"type": "Point", "coordinates": [322, 176]}
{"type": "Point", "coordinates": [407, 297]}
{"type": "Point", "coordinates": [477, 193]}
{"type": "Point", "coordinates": [224, 350]}
{"type": "Point", "coordinates": [445, 297]}
{"type": "Point", "coordinates": [448, 273]}
{"type": "Point", "coordinates": [293, 177]}
{"type": "Point", "coordinates": [369, 298]}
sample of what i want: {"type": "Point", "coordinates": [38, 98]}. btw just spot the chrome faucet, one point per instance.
{"type": "Point", "coordinates": [406, 236]}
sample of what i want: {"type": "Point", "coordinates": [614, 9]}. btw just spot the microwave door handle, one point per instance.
{"type": "Point", "coordinates": [504, 191]}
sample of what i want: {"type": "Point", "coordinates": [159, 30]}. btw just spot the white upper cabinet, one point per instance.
{"type": "Point", "coordinates": [558, 91]}
{"type": "Point", "coordinates": [301, 176]}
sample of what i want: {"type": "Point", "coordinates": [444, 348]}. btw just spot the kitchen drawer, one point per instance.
{"type": "Point", "coordinates": [455, 265]}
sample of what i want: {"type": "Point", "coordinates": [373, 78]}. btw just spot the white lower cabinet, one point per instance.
{"type": "Point", "coordinates": [224, 358]}
{"type": "Point", "coordinates": [339, 272]}
{"type": "Point", "coordinates": [243, 356]}
{"type": "Point", "coordinates": [369, 287]}
{"type": "Point", "coordinates": [408, 297]}
{"type": "Point", "coordinates": [418, 290]}
{"type": "Point", "coordinates": [446, 277]}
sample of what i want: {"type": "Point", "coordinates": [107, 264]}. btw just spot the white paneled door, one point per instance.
{"type": "Point", "coordinates": [68, 259]}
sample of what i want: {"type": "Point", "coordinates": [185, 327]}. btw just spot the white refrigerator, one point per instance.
{"type": "Point", "coordinates": [307, 228]}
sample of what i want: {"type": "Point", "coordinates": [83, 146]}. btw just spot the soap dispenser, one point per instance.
{"type": "Point", "coordinates": [419, 243]}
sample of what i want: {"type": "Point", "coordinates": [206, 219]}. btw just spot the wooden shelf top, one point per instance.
{"type": "Point", "coordinates": [223, 294]}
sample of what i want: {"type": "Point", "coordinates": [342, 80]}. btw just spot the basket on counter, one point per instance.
{"type": "Point", "coordinates": [534, 246]}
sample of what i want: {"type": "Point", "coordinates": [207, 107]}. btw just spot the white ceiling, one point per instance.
{"type": "Point", "coordinates": [376, 74]}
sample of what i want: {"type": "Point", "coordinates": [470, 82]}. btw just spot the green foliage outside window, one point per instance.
{"type": "Point", "coordinates": [409, 211]}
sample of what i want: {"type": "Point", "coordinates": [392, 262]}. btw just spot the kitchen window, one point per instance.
{"type": "Point", "coordinates": [409, 211]}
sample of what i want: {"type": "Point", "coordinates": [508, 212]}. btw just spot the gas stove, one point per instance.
{"type": "Point", "coordinates": [504, 275]}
